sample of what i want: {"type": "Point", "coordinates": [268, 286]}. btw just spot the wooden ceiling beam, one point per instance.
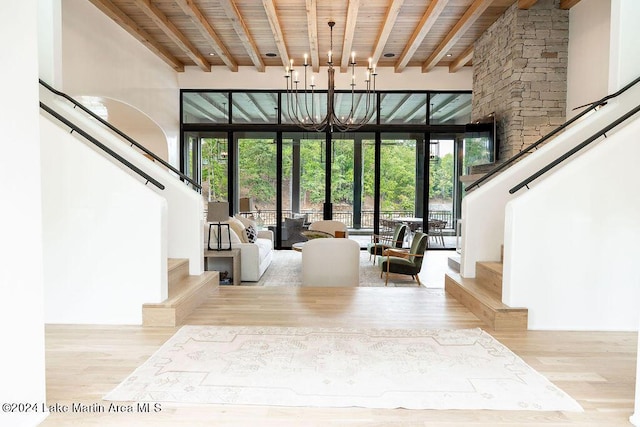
{"type": "Point", "coordinates": [426, 23]}
{"type": "Point", "coordinates": [312, 29]}
{"type": "Point", "coordinates": [387, 27]}
{"type": "Point", "coordinates": [207, 31]}
{"type": "Point", "coordinates": [470, 16]}
{"type": "Point", "coordinates": [461, 60]}
{"type": "Point", "coordinates": [276, 29]}
{"type": "Point", "coordinates": [568, 4]}
{"type": "Point", "coordinates": [167, 27]}
{"type": "Point", "coordinates": [120, 18]}
{"type": "Point", "coordinates": [526, 4]}
{"type": "Point", "coordinates": [349, 34]}
{"type": "Point", "coordinates": [242, 31]}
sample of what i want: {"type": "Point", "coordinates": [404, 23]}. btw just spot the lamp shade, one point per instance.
{"type": "Point", "coordinates": [245, 204]}
{"type": "Point", "coordinates": [218, 211]}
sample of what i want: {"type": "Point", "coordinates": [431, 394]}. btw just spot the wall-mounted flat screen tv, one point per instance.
{"type": "Point", "coordinates": [480, 146]}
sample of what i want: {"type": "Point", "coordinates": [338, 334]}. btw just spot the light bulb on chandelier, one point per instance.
{"type": "Point", "coordinates": [301, 101]}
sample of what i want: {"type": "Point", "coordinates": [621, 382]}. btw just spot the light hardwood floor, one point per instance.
{"type": "Point", "coordinates": [85, 362]}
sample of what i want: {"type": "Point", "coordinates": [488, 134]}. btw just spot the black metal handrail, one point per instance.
{"type": "Point", "coordinates": [121, 134]}
{"type": "Point", "coordinates": [106, 149]}
{"type": "Point", "coordinates": [574, 150]}
{"type": "Point", "coordinates": [592, 106]}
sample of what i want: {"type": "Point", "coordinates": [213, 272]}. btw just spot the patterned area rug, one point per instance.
{"type": "Point", "coordinates": [286, 270]}
{"type": "Point", "coordinates": [339, 367]}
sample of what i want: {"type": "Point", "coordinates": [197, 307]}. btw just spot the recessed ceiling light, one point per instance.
{"type": "Point", "coordinates": [271, 54]}
{"type": "Point", "coordinates": [389, 55]}
{"type": "Point", "coordinates": [449, 55]}
{"type": "Point", "coordinates": [212, 54]}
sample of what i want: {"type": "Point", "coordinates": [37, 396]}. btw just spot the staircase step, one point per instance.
{"type": "Point", "coordinates": [489, 275]}
{"type": "Point", "coordinates": [189, 293]}
{"type": "Point", "coordinates": [485, 304]}
{"type": "Point", "coordinates": [178, 270]}
{"type": "Point", "coordinates": [454, 262]}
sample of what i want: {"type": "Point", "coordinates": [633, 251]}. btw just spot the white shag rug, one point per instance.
{"type": "Point", "coordinates": [341, 367]}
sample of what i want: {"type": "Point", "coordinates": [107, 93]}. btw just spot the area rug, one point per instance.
{"type": "Point", "coordinates": [341, 367]}
{"type": "Point", "coordinates": [286, 270]}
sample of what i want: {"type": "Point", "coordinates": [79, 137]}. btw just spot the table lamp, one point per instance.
{"type": "Point", "coordinates": [245, 204]}
{"type": "Point", "coordinates": [216, 213]}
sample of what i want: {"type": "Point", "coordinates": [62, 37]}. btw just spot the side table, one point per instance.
{"type": "Point", "coordinates": [234, 254]}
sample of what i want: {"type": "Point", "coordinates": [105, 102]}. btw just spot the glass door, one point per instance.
{"type": "Point", "coordinates": [206, 161]}
{"type": "Point", "coordinates": [256, 175]}
{"type": "Point", "coordinates": [352, 183]}
{"type": "Point", "coordinates": [303, 184]}
{"type": "Point", "coordinates": [402, 180]}
{"type": "Point", "coordinates": [444, 189]}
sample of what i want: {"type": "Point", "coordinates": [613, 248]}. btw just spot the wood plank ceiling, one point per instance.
{"type": "Point", "coordinates": [261, 33]}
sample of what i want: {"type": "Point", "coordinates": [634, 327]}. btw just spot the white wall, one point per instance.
{"type": "Point", "coordinates": [571, 242]}
{"type": "Point", "coordinates": [588, 62]}
{"type": "Point", "coordinates": [483, 209]}
{"type": "Point", "coordinates": [102, 59]}
{"type": "Point", "coordinates": [105, 248]}
{"type": "Point", "coordinates": [184, 206]}
{"type": "Point", "coordinates": [273, 78]}
{"type": "Point", "coordinates": [22, 371]}
{"type": "Point", "coordinates": [625, 32]}
{"type": "Point", "coordinates": [50, 41]}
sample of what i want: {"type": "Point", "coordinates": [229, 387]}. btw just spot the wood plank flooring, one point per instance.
{"type": "Point", "coordinates": [85, 362]}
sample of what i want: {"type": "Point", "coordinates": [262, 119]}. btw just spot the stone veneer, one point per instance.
{"type": "Point", "coordinates": [520, 74]}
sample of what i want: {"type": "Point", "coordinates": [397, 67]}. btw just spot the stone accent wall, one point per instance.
{"type": "Point", "coordinates": [520, 74]}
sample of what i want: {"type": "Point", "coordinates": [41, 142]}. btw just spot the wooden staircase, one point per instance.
{"type": "Point", "coordinates": [186, 293]}
{"type": "Point", "coordinates": [482, 295]}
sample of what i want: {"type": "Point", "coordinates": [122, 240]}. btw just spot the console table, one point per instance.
{"type": "Point", "coordinates": [233, 254]}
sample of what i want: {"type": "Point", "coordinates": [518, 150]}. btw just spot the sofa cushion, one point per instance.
{"type": "Point", "coordinates": [264, 247]}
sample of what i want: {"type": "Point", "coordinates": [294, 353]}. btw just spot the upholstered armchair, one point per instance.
{"type": "Point", "coordinates": [331, 262]}
{"type": "Point", "coordinates": [403, 261]}
{"type": "Point", "coordinates": [380, 242]}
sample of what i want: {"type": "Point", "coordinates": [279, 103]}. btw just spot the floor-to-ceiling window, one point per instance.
{"type": "Point", "coordinates": [206, 159]}
{"type": "Point", "coordinates": [402, 178]}
{"type": "Point", "coordinates": [443, 189]}
{"type": "Point", "coordinates": [405, 163]}
{"type": "Point", "coordinates": [256, 175]}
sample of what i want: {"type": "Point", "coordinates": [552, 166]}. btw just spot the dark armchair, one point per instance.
{"type": "Point", "coordinates": [381, 242]}
{"type": "Point", "coordinates": [403, 261]}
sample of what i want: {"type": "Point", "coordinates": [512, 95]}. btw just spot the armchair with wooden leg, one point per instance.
{"type": "Point", "coordinates": [407, 262]}
{"type": "Point", "coordinates": [381, 242]}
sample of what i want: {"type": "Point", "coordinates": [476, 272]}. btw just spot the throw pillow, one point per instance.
{"type": "Point", "coordinates": [238, 227]}
{"type": "Point", "coordinates": [246, 221]}
{"type": "Point", "coordinates": [251, 233]}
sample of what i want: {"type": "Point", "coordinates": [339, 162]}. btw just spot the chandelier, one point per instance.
{"type": "Point", "coordinates": [303, 105]}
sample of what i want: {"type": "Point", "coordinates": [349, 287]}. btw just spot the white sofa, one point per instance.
{"type": "Point", "coordinates": [255, 257]}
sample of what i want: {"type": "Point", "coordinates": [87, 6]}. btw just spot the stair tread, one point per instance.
{"type": "Point", "coordinates": [184, 288]}
{"type": "Point", "coordinates": [496, 266]}
{"type": "Point", "coordinates": [173, 263]}
{"type": "Point", "coordinates": [485, 296]}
